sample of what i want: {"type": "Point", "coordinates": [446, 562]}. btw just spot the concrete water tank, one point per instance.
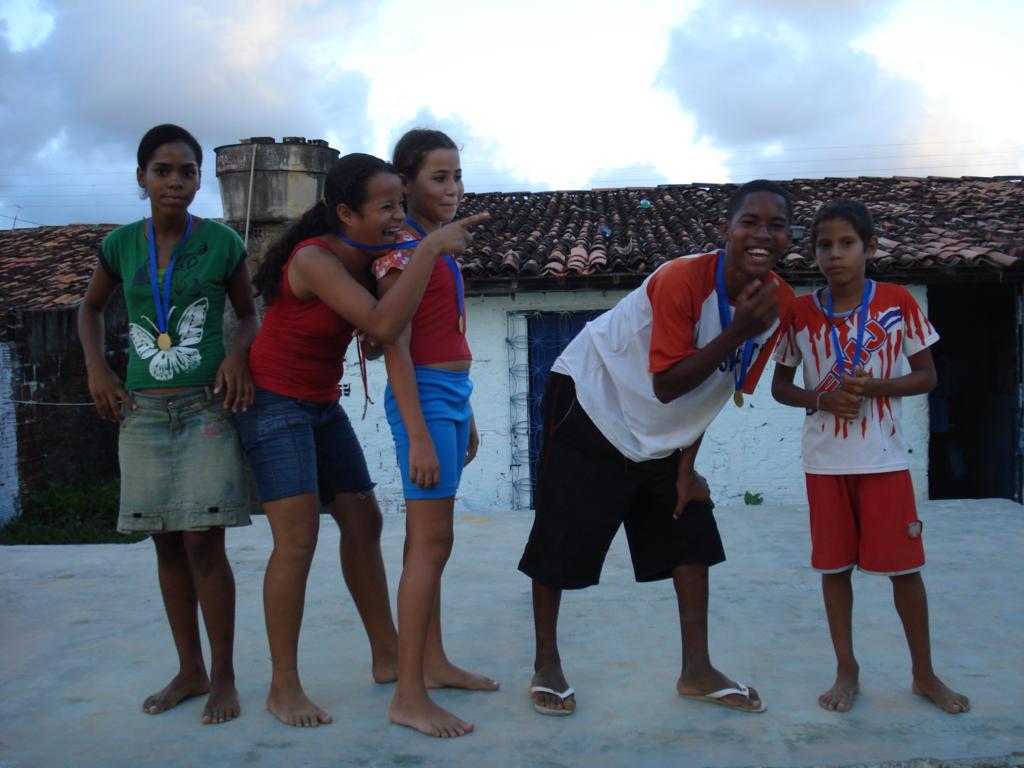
{"type": "Point", "coordinates": [286, 178]}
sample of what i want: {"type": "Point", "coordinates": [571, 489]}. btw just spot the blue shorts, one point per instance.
{"type": "Point", "coordinates": [296, 447]}
{"type": "Point", "coordinates": [444, 400]}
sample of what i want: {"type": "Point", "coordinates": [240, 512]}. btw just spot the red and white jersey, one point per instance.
{"type": "Point", "coordinates": [894, 329]}
{"type": "Point", "coordinates": [672, 315]}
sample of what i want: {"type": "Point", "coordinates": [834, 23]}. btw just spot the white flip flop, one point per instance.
{"type": "Point", "coordinates": [563, 695]}
{"type": "Point", "coordinates": [718, 697]}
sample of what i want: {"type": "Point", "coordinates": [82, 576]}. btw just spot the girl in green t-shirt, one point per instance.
{"type": "Point", "coordinates": [183, 476]}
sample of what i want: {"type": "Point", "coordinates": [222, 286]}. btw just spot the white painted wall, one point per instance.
{"type": "Point", "coordinates": [755, 449]}
{"type": "Point", "coordinates": [8, 439]}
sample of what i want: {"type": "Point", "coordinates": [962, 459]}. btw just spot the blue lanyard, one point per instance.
{"type": "Point", "coordinates": [456, 274]}
{"type": "Point", "coordinates": [861, 323]}
{"type": "Point", "coordinates": [725, 317]}
{"type": "Point", "coordinates": [364, 247]}
{"type": "Point", "coordinates": [163, 304]}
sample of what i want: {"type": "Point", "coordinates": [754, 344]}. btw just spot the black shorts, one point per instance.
{"type": "Point", "coordinates": [587, 489]}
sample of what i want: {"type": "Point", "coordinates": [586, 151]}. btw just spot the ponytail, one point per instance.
{"type": "Point", "coordinates": [312, 223]}
{"type": "Point", "coordinates": [346, 183]}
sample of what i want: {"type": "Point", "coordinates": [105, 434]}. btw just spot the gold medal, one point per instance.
{"type": "Point", "coordinates": [737, 397]}
{"type": "Point", "coordinates": [462, 324]}
{"type": "Point", "coordinates": [164, 341]}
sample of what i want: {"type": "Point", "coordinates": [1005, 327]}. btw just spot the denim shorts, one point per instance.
{"type": "Point", "coordinates": [296, 447]}
{"type": "Point", "coordinates": [182, 468]}
{"type": "Point", "coordinates": [444, 400]}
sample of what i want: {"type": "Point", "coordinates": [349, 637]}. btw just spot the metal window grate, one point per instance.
{"type": "Point", "coordinates": [535, 340]}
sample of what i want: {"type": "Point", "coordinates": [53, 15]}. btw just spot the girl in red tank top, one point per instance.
{"type": "Point", "coordinates": [299, 441]}
{"type": "Point", "coordinates": [427, 404]}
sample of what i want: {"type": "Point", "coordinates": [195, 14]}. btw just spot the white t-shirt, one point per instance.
{"type": "Point", "coordinates": [895, 329]}
{"type": "Point", "coordinates": [672, 315]}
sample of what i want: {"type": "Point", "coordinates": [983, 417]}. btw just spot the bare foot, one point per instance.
{"type": "Point", "coordinates": [384, 660]}
{"type": "Point", "coordinates": [702, 682]}
{"type": "Point", "coordinates": [839, 698]}
{"type": "Point", "coordinates": [292, 707]}
{"type": "Point", "coordinates": [447, 675]}
{"type": "Point", "coordinates": [384, 670]}
{"type": "Point", "coordinates": [944, 698]}
{"type": "Point", "coordinates": [552, 677]}
{"type": "Point", "coordinates": [222, 705]}
{"type": "Point", "coordinates": [180, 688]}
{"type": "Point", "coordinates": [425, 716]}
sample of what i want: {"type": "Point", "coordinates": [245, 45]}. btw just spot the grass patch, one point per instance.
{"type": "Point", "coordinates": [66, 514]}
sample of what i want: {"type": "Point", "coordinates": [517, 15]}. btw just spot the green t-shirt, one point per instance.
{"type": "Point", "coordinates": [202, 271]}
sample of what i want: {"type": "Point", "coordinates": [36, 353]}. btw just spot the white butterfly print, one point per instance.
{"type": "Point", "coordinates": [165, 364]}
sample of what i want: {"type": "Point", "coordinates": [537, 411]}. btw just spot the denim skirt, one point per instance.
{"type": "Point", "coordinates": [182, 466]}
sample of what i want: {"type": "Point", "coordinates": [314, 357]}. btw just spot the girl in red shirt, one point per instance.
{"type": "Point", "coordinates": [427, 405]}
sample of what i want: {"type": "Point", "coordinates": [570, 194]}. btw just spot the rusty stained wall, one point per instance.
{"type": "Point", "coordinates": [58, 437]}
{"type": "Point", "coordinates": [8, 439]}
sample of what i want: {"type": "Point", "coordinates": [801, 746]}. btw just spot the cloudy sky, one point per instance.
{"type": "Point", "coordinates": [542, 94]}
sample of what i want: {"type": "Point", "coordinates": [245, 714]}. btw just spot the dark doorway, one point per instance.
{"type": "Point", "coordinates": [974, 450]}
{"type": "Point", "coordinates": [549, 334]}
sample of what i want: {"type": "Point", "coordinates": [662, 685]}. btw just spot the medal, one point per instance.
{"type": "Point", "coordinates": [739, 372]}
{"type": "Point", "coordinates": [163, 304]}
{"type": "Point", "coordinates": [459, 299]}
{"type": "Point", "coordinates": [861, 323]}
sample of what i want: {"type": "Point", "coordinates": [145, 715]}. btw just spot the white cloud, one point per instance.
{"type": "Point", "coordinates": [968, 63]}
{"type": "Point", "coordinates": [540, 94]}
{"type": "Point", "coordinates": [109, 71]}
{"type": "Point", "coordinates": [563, 89]}
{"type": "Point", "coordinates": [25, 23]}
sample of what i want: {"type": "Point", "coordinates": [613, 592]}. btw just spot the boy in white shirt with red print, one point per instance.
{"type": "Point", "coordinates": [851, 338]}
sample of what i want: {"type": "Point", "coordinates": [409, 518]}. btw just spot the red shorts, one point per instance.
{"type": "Point", "coordinates": [865, 520]}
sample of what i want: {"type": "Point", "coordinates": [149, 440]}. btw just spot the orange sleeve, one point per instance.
{"type": "Point", "coordinates": [675, 293]}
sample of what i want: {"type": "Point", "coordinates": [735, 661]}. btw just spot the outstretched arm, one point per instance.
{"type": "Point", "coordinates": [317, 272]}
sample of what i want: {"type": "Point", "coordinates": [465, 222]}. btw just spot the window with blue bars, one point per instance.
{"type": "Point", "coordinates": [548, 333]}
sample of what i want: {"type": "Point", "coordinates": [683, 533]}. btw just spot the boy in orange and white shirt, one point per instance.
{"type": "Point", "coordinates": [624, 411]}
{"type": "Point", "coordinates": [852, 338]}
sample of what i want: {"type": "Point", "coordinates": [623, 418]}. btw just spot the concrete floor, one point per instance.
{"type": "Point", "coordinates": [83, 639]}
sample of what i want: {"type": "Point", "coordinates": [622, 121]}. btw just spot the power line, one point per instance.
{"type": "Point", "coordinates": [20, 218]}
{"type": "Point", "coordinates": [793, 160]}
{"type": "Point", "coordinates": [80, 195]}
{"type": "Point", "coordinates": [609, 176]}
{"type": "Point", "coordinates": [758, 150]}
{"type": "Point", "coordinates": [851, 173]}
{"type": "Point", "coordinates": [864, 146]}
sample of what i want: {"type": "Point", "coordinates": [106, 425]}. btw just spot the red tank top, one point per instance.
{"type": "Point", "coordinates": [300, 348]}
{"type": "Point", "coordinates": [436, 337]}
